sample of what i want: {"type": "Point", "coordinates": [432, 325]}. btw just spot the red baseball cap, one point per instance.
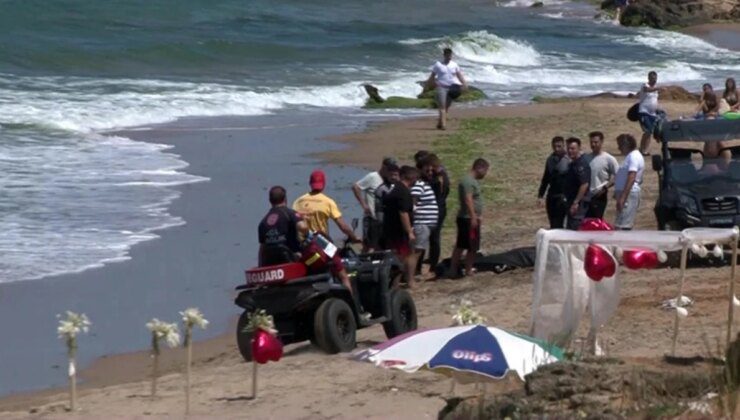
{"type": "Point", "coordinates": [317, 180]}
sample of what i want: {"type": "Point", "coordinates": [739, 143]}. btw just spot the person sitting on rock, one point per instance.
{"type": "Point", "coordinates": [449, 81]}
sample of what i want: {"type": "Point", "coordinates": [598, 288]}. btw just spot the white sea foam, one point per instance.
{"type": "Point", "coordinates": [596, 74]}
{"type": "Point", "coordinates": [678, 43]}
{"type": "Point", "coordinates": [529, 3]}
{"type": "Point", "coordinates": [485, 47]}
{"type": "Point", "coordinates": [558, 15]}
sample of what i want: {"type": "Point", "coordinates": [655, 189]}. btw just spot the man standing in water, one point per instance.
{"type": "Point", "coordinates": [449, 81]}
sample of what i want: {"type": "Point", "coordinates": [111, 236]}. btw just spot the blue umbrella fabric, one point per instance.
{"type": "Point", "coordinates": [468, 353]}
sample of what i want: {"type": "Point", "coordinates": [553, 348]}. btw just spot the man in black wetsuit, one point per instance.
{"type": "Point", "coordinates": [279, 230]}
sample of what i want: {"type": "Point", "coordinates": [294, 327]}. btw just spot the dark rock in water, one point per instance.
{"type": "Point", "coordinates": [426, 99]}
{"type": "Point", "coordinates": [373, 93]}
{"type": "Point", "coordinates": [666, 14]}
{"type": "Point", "coordinates": [537, 4]}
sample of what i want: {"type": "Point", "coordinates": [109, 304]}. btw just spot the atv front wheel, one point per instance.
{"type": "Point", "coordinates": [244, 339]}
{"type": "Point", "coordinates": [403, 314]}
{"type": "Point", "coordinates": [334, 326]}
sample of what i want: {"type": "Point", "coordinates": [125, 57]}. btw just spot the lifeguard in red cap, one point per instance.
{"type": "Point", "coordinates": [317, 208]}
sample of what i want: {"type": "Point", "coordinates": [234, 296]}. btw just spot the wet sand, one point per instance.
{"type": "Point", "coordinates": [725, 35]}
{"type": "Point", "coordinates": [197, 264]}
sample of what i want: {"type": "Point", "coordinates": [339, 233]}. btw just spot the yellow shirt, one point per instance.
{"type": "Point", "coordinates": [316, 210]}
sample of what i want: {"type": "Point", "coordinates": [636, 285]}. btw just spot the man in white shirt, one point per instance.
{"type": "Point", "coordinates": [364, 190]}
{"type": "Point", "coordinates": [648, 110]}
{"type": "Point", "coordinates": [449, 81]}
{"type": "Point", "coordinates": [627, 182]}
{"type": "Point", "coordinates": [603, 169]}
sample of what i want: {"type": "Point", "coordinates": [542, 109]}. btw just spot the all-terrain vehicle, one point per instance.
{"type": "Point", "coordinates": [319, 308]}
{"type": "Point", "coordinates": [699, 174]}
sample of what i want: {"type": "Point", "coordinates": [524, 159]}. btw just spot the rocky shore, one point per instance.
{"type": "Point", "coordinates": [672, 14]}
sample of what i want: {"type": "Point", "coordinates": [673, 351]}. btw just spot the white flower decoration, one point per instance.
{"type": "Point", "coordinates": [71, 326]}
{"type": "Point", "coordinates": [193, 317]}
{"type": "Point", "coordinates": [466, 315]}
{"type": "Point", "coordinates": [164, 331]}
{"type": "Point", "coordinates": [259, 319]}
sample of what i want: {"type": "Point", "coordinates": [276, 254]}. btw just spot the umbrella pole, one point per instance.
{"type": "Point", "coordinates": [452, 387]}
{"type": "Point", "coordinates": [684, 253]}
{"type": "Point", "coordinates": [731, 311]}
{"type": "Point", "coordinates": [481, 400]}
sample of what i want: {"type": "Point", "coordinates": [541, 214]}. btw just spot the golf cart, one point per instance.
{"type": "Point", "coordinates": [699, 174]}
{"type": "Point", "coordinates": [318, 307]}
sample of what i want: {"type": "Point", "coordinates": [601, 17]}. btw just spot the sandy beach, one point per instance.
{"type": "Point", "coordinates": [309, 384]}
{"type": "Point", "coordinates": [725, 35]}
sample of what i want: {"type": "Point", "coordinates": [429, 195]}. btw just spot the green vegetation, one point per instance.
{"type": "Point", "coordinates": [401, 102]}
{"type": "Point", "coordinates": [426, 100]}
{"type": "Point", "coordinates": [458, 151]}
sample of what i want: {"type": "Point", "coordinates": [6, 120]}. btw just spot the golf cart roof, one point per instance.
{"type": "Point", "coordinates": [700, 130]}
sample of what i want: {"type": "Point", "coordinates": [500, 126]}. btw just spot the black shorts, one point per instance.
{"type": "Point", "coordinates": [371, 232]}
{"type": "Point", "coordinates": [467, 237]}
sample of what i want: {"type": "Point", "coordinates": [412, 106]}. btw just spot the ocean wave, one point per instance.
{"type": "Point", "coordinates": [89, 105]}
{"type": "Point", "coordinates": [600, 73]}
{"type": "Point", "coordinates": [71, 203]}
{"type": "Point", "coordinates": [558, 15]}
{"type": "Point", "coordinates": [676, 42]}
{"type": "Point", "coordinates": [529, 3]}
{"type": "Point", "coordinates": [485, 47]}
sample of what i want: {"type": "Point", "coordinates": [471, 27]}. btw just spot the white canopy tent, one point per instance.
{"type": "Point", "coordinates": [563, 292]}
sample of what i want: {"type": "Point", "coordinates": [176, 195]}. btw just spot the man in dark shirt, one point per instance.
{"type": "Point", "coordinates": [278, 231]}
{"type": "Point", "coordinates": [398, 232]}
{"type": "Point", "coordinates": [390, 179]}
{"type": "Point", "coordinates": [576, 183]}
{"type": "Point", "coordinates": [556, 167]}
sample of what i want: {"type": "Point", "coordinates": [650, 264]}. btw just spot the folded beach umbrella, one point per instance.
{"type": "Point", "coordinates": [469, 353]}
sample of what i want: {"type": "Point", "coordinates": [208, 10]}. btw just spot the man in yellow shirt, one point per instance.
{"type": "Point", "coordinates": [317, 208]}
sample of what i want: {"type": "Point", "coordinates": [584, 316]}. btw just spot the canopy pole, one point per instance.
{"type": "Point", "coordinates": [731, 310]}
{"type": "Point", "coordinates": [684, 255]}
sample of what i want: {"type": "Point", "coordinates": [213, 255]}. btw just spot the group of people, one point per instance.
{"type": "Point", "coordinates": [713, 106]}
{"type": "Point", "coordinates": [577, 185]}
{"type": "Point", "coordinates": [404, 209]}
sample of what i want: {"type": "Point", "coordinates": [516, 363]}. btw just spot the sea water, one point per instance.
{"type": "Point", "coordinates": [71, 71]}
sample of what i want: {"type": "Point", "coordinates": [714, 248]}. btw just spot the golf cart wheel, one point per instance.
{"type": "Point", "coordinates": [334, 328]}
{"type": "Point", "coordinates": [403, 314]}
{"type": "Point", "coordinates": [244, 339]}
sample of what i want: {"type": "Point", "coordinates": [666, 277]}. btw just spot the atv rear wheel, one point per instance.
{"type": "Point", "coordinates": [244, 339]}
{"type": "Point", "coordinates": [403, 314]}
{"type": "Point", "coordinates": [334, 327]}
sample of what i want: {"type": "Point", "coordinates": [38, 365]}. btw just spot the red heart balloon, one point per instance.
{"type": "Point", "coordinates": [636, 259]}
{"type": "Point", "coordinates": [599, 263]}
{"type": "Point", "coordinates": [265, 347]}
{"type": "Point", "coordinates": [591, 223]}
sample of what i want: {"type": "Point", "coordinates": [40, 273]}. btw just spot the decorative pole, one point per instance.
{"type": "Point", "coordinates": [465, 315]}
{"type": "Point", "coordinates": [680, 312]}
{"type": "Point", "coordinates": [161, 331]}
{"type": "Point", "coordinates": [190, 317]}
{"type": "Point", "coordinates": [68, 330]}
{"type": "Point", "coordinates": [731, 311]}
{"type": "Point", "coordinates": [265, 346]}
